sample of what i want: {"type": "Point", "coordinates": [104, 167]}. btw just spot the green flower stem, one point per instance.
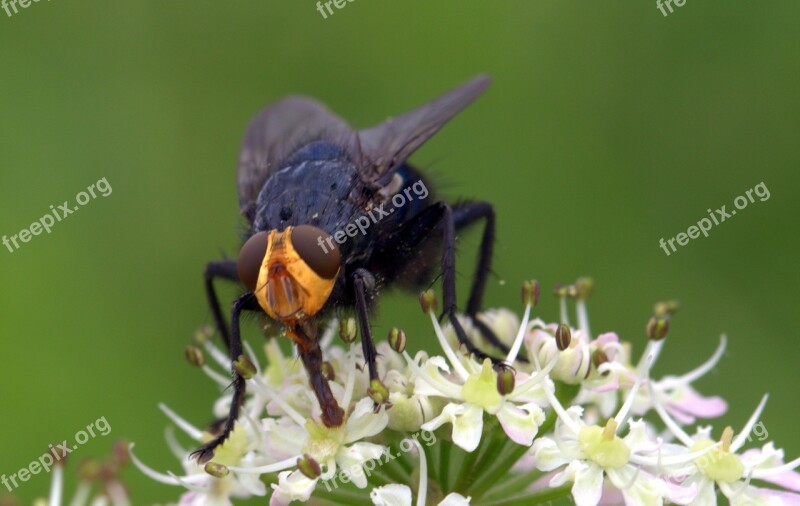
{"type": "Point", "coordinates": [343, 497]}
{"type": "Point", "coordinates": [404, 464]}
{"type": "Point", "coordinates": [492, 478]}
{"type": "Point", "coordinates": [465, 474]}
{"type": "Point", "coordinates": [490, 462]}
{"type": "Point", "coordinates": [395, 473]}
{"type": "Point", "coordinates": [540, 497]}
{"type": "Point", "coordinates": [377, 478]}
{"type": "Point", "coordinates": [516, 484]}
{"type": "Point", "coordinates": [494, 475]}
{"type": "Point", "coordinates": [444, 464]}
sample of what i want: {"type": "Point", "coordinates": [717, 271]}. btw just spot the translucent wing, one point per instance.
{"type": "Point", "coordinates": [388, 145]}
{"type": "Point", "coordinates": [273, 132]}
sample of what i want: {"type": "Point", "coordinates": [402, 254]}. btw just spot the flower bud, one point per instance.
{"type": "Point", "coordinates": [506, 380]}
{"type": "Point", "coordinates": [378, 392]}
{"type": "Point", "coordinates": [194, 355]}
{"type": "Point", "coordinates": [217, 470]}
{"type": "Point", "coordinates": [666, 308]}
{"type": "Point", "coordinates": [583, 287]}
{"type": "Point", "coordinates": [599, 358]}
{"type": "Point", "coordinates": [427, 300]}
{"type": "Point", "coordinates": [202, 335]}
{"type": "Point", "coordinates": [397, 339]}
{"type": "Point", "coordinates": [122, 452]}
{"type": "Point", "coordinates": [89, 469]}
{"type": "Point", "coordinates": [244, 367]}
{"type": "Point", "coordinates": [657, 328]}
{"type": "Point", "coordinates": [309, 467]}
{"type": "Point", "coordinates": [530, 292]}
{"type": "Point", "coordinates": [328, 372]}
{"type": "Point", "coordinates": [563, 336]}
{"type": "Point", "coordinates": [347, 329]}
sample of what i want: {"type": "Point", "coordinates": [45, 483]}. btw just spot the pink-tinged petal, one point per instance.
{"type": "Point", "coordinates": [521, 423]}
{"type": "Point", "coordinates": [691, 403]}
{"type": "Point", "coordinates": [542, 483]}
{"type": "Point", "coordinates": [608, 337]}
{"type": "Point", "coordinates": [609, 386]}
{"type": "Point", "coordinates": [684, 493]}
{"type": "Point", "coordinates": [611, 496]}
{"type": "Point", "coordinates": [786, 498]}
{"type": "Point", "coordinates": [789, 480]}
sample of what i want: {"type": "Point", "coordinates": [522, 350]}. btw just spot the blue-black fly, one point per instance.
{"type": "Point", "coordinates": [305, 178]}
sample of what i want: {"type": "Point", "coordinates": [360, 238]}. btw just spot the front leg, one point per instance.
{"type": "Point", "coordinates": [225, 269]}
{"type": "Point", "coordinates": [364, 284]}
{"type": "Point", "coordinates": [311, 355]}
{"type": "Point", "coordinates": [246, 302]}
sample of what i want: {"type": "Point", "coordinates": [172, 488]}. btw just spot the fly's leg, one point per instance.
{"type": "Point", "coordinates": [246, 302]}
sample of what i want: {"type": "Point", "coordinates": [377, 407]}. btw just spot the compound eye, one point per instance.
{"type": "Point", "coordinates": [317, 249]}
{"type": "Point", "coordinates": [250, 258]}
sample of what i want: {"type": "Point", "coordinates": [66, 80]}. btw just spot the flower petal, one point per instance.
{"type": "Point", "coordinates": [521, 423]}
{"type": "Point", "coordinates": [467, 423]}
{"type": "Point", "coordinates": [391, 495]}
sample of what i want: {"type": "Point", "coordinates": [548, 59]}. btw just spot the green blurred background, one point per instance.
{"type": "Point", "coordinates": [608, 126]}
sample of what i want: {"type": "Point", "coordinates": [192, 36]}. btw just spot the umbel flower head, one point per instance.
{"type": "Point", "coordinates": [561, 413]}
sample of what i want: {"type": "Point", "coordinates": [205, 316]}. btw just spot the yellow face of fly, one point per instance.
{"type": "Point", "coordinates": [292, 273]}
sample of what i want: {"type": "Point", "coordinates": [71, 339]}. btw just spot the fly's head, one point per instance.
{"type": "Point", "coordinates": [291, 272]}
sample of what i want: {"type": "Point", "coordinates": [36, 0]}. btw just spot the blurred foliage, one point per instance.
{"type": "Point", "coordinates": [608, 127]}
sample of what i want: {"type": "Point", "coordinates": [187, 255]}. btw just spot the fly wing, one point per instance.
{"type": "Point", "coordinates": [271, 136]}
{"type": "Point", "coordinates": [386, 146]}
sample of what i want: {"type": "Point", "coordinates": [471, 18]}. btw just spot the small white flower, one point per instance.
{"type": "Point", "coordinates": [472, 389]}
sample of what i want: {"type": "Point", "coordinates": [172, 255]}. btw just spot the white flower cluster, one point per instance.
{"type": "Point", "coordinates": [573, 415]}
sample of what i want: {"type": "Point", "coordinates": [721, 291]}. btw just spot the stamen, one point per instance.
{"type": "Point", "coordinates": [642, 374]}
{"type": "Point", "coordinates": [740, 439]}
{"type": "Point", "coordinates": [269, 468]}
{"type": "Point", "coordinates": [523, 328]}
{"type": "Point", "coordinates": [219, 357]}
{"type": "Point", "coordinates": [703, 369]}
{"type": "Point", "coordinates": [252, 356]}
{"type": "Point", "coordinates": [534, 380]}
{"type": "Point", "coordinates": [448, 389]}
{"type": "Point", "coordinates": [583, 317]}
{"type": "Point", "coordinates": [423, 475]}
{"type": "Point", "coordinates": [81, 497]}
{"type": "Point", "coordinates": [272, 395]}
{"type": "Point", "coordinates": [57, 486]}
{"type": "Point", "coordinates": [448, 350]}
{"type": "Point", "coordinates": [153, 474]}
{"type": "Point", "coordinates": [774, 471]}
{"type": "Point", "coordinates": [672, 460]}
{"type": "Point", "coordinates": [549, 387]}
{"type": "Point", "coordinates": [172, 443]}
{"type": "Point", "coordinates": [217, 377]}
{"type": "Point", "coordinates": [327, 336]}
{"type": "Point", "coordinates": [671, 424]}
{"type": "Point", "coordinates": [192, 431]}
{"type": "Point", "coordinates": [351, 378]}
